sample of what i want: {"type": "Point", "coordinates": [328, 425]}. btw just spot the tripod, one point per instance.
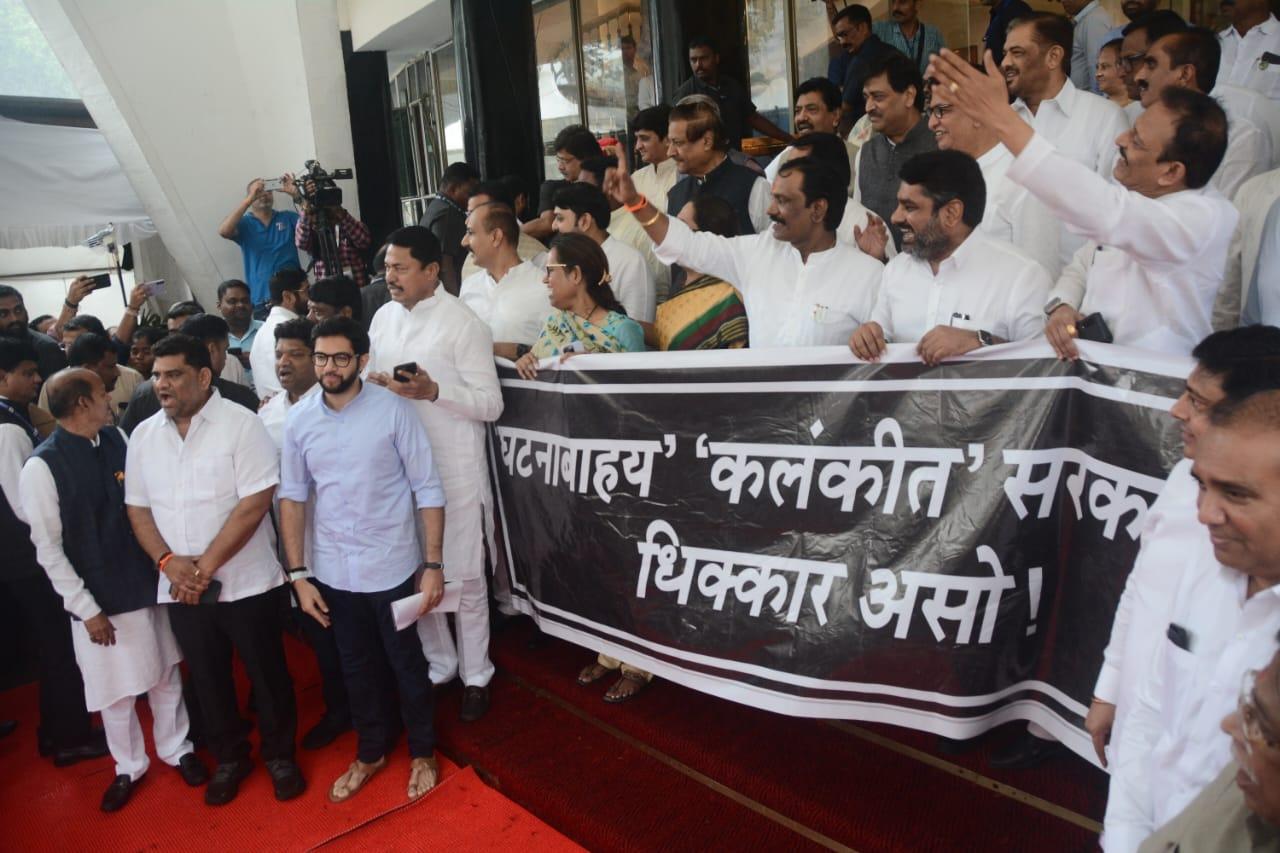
{"type": "Point", "coordinates": [326, 242]}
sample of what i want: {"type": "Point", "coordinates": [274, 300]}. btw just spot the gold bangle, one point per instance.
{"type": "Point", "coordinates": [656, 215]}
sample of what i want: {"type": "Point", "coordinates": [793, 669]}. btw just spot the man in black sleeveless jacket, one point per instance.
{"type": "Point", "coordinates": [73, 497]}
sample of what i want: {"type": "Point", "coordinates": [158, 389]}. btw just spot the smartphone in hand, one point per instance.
{"type": "Point", "coordinates": [101, 281]}
{"type": "Point", "coordinates": [405, 372]}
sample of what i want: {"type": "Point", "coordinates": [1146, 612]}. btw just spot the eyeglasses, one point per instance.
{"type": "Point", "coordinates": [1256, 729]}
{"type": "Point", "coordinates": [939, 111]}
{"type": "Point", "coordinates": [1128, 62]}
{"type": "Point", "coordinates": [340, 359]}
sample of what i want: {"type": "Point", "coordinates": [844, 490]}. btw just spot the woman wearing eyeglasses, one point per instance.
{"type": "Point", "coordinates": [587, 316]}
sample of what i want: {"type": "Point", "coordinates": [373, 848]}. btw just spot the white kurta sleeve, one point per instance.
{"type": "Point", "coordinates": [262, 361]}
{"type": "Point", "coordinates": [477, 395]}
{"type": "Point", "coordinates": [1148, 230]}
{"type": "Point", "coordinates": [758, 204]}
{"type": "Point", "coordinates": [15, 447]}
{"type": "Point", "coordinates": [135, 482]}
{"type": "Point", "coordinates": [1248, 154]}
{"type": "Point", "coordinates": [1026, 303]}
{"type": "Point", "coordinates": [40, 503]}
{"type": "Point", "coordinates": [722, 257]}
{"type": "Point", "coordinates": [1128, 820]}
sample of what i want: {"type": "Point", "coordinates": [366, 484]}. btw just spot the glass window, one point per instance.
{"type": "Point", "coordinates": [767, 60]}
{"type": "Point", "coordinates": [557, 67]}
{"type": "Point", "coordinates": [29, 68]}
{"type": "Point", "coordinates": [815, 45]}
{"type": "Point", "coordinates": [450, 104]}
{"type": "Point", "coordinates": [617, 63]}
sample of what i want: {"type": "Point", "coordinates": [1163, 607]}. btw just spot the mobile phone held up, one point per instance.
{"type": "Point", "coordinates": [405, 372]}
{"type": "Point", "coordinates": [153, 288]}
{"type": "Point", "coordinates": [273, 185]}
{"type": "Point", "coordinates": [102, 281]}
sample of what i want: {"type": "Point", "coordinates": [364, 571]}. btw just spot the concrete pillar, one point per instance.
{"type": "Point", "coordinates": [197, 97]}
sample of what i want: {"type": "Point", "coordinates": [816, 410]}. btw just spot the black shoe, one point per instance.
{"type": "Point", "coordinates": [325, 732]}
{"type": "Point", "coordinates": [226, 780]}
{"type": "Point", "coordinates": [118, 793]}
{"type": "Point", "coordinates": [192, 770]}
{"type": "Point", "coordinates": [952, 746]}
{"type": "Point", "coordinates": [7, 727]}
{"type": "Point", "coordinates": [1025, 752]}
{"type": "Point", "coordinates": [93, 747]}
{"type": "Point", "coordinates": [475, 703]}
{"type": "Point", "coordinates": [286, 778]}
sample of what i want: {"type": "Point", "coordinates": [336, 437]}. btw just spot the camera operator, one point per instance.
{"type": "Point", "coordinates": [353, 236]}
{"type": "Point", "coordinates": [265, 237]}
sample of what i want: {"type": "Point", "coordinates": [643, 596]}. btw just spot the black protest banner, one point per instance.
{"type": "Point", "coordinates": [941, 548]}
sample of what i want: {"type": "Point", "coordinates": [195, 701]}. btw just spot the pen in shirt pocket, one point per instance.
{"type": "Point", "coordinates": [956, 315]}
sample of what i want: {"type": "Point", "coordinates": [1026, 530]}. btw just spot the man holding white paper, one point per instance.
{"type": "Point", "coordinates": [366, 456]}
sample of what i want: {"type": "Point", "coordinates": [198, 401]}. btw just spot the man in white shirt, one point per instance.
{"type": "Point", "coordinates": [659, 173]}
{"type": "Point", "coordinates": [506, 293]}
{"type": "Point", "coordinates": [817, 110]}
{"type": "Point", "coordinates": [96, 353]}
{"type": "Point", "coordinates": [1079, 124]}
{"type": "Point", "coordinates": [1012, 214]}
{"type": "Point", "coordinates": [583, 209]}
{"type": "Point", "coordinates": [623, 225]}
{"type": "Point", "coordinates": [454, 386]}
{"type": "Point", "coordinates": [1221, 621]}
{"type": "Point", "coordinates": [288, 302]}
{"type": "Point", "coordinates": [1090, 24]}
{"type": "Point", "coordinates": [1253, 35]}
{"type": "Point", "coordinates": [952, 290]}
{"type": "Point", "coordinates": [74, 501]}
{"type": "Point", "coordinates": [1230, 366]}
{"type": "Point", "coordinates": [1190, 59]}
{"type": "Point", "coordinates": [497, 192]}
{"type": "Point", "coordinates": [800, 285]}
{"type": "Point", "coordinates": [359, 453]}
{"type": "Point", "coordinates": [1139, 34]}
{"type": "Point", "coordinates": [198, 485]}
{"type": "Point", "coordinates": [1158, 238]}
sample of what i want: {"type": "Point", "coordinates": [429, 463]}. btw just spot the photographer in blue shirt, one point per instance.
{"type": "Point", "coordinates": [265, 237]}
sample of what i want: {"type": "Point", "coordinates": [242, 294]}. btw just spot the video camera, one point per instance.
{"type": "Point", "coordinates": [317, 186]}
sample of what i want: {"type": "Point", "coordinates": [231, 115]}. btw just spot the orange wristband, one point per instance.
{"type": "Point", "coordinates": [638, 206]}
{"type": "Point", "coordinates": [164, 560]}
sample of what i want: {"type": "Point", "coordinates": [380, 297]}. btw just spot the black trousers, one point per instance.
{"type": "Point", "coordinates": [369, 644]}
{"type": "Point", "coordinates": [64, 721]}
{"type": "Point", "coordinates": [207, 634]}
{"type": "Point", "coordinates": [333, 685]}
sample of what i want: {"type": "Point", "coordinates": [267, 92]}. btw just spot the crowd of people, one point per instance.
{"type": "Point", "coordinates": [165, 489]}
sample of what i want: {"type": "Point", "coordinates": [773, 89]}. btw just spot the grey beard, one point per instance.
{"type": "Point", "coordinates": [930, 243]}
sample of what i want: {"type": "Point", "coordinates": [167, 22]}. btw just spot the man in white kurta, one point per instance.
{"type": "Point", "coordinates": [506, 293]}
{"type": "Point", "coordinates": [122, 639]}
{"type": "Point", "coordinates": [456, 392]}
{"type": "Point", "coordinates": [288, 302]}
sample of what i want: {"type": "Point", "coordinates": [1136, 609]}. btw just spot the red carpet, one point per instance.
{"type": "Point", "coordinates": [47, 808]}
{"type": "Point", "coordinates": [746, 778]}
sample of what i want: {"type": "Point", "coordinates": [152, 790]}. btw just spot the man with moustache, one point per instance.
{"type": "Point", "coordinates": [699, 145]}
{"type": "Point", "coordinates": [288, 302]}
{"type": "Point", "coordinates": [1158, 238]}
{"type": "Point", "coordinates": [1230, 366]}
{"type": "Point", "coordinates": [235, 304]}
{"type": "Point", "coordinates": [817, 110]}
{"type": "Point", "coordinates": [1190, 59]}
{"type": "Point", "coordinates": [1136, 37]}
{"type": "Point", "coordinates": [952, 290]}
{"type": "Point", "coordinates": [1220, 623]}
{"type": "Point", "coordinates": [453, 384]}
{"type": "Point", "coordinates": [659, 173]}
{"type": "Point", "coordinates": [508, 294]}
{"type": "Point", "coordinates": [1078, 124]}
{"type": "Point", "coordinates": [894, 93]}
{"type": "Point", "coordinates": [363, 454]}
{"type": "Point", "coordinates": [13, 325]}
{"type": "Point", "coordinates": [739, 114]}
{"type": "Point", "coordinates": [265, 237]}
{"type": "Point", "coordinates": [502, 192]}
{"type": "Point", "coordinates": [800, 285]}
{"type": "Point", "coordinates": [199, 480]}
{"type": "Point", "coordinates": [73, 497]}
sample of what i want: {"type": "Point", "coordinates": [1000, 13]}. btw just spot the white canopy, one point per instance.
{"type": "Point", "coordinates": [61, 185]}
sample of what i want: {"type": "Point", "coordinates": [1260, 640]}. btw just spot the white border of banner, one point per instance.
{"type": "Point", "coordinates": [555, 621]}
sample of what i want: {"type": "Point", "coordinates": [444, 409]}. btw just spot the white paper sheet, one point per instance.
{"type": "Point", "coordinates": [405, 611]}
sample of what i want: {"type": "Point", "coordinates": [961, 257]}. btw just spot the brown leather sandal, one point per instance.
{"type": "Point", "coordinates": [423, 775]}
{"type": "Point", "coordinates": [349, 784]}
{"type": "Point", "coordinates": [629, 686]}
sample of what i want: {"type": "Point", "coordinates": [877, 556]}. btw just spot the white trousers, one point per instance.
{"type": "Point", "coordinates": [469, 656]}
{"type": "Point", "coordinates": [169, 727]}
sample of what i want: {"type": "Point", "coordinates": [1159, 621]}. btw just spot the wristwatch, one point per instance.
{"type": "Point", "coordinates": [1053, 305]}
{"type": "Point", "coordinates": [984, 338]}
{"type": "Point", "coordinates": [429, 565]}
{"type": "Point", "coordinates": [298, 573]}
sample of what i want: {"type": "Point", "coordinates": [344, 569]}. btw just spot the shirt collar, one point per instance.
{"type": "Point", "coordinates": [992, 156]}
{"type": "Point", "coordinates": [1065, 99]}
{"type": "Point", "coordinates": [281, 313]}
{"type": "Point", "coordinates": [1080, 16]}
{"type": "Point", "coordinates": [210, 411]}
{"type": "Point", "coordinates": [963, 255]}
